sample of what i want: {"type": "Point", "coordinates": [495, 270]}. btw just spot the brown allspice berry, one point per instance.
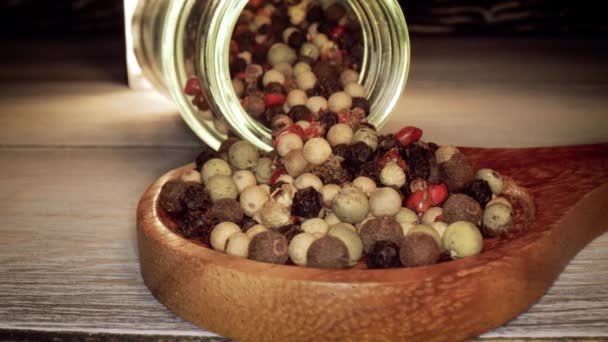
{"type": "Point", "coordinates": [378, 229]}
{"type": "Point", "coordinates": [328, 252]}
{"type": "Point", "coordinates": [269, 246]}
{"type": "Point", "coordinates": [227, 209]}
{"type": "Point", "coordinates": [418, 249]}
{"type": "Point", "coordinates": [454, 168]}
{"type": "Point", "coordinates": [170, 197]}
{"type": "Point", "coordinates": [460, 207]}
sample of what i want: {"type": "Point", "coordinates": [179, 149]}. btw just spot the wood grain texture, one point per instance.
{"type": "Point", "coordinates": [446, 302]}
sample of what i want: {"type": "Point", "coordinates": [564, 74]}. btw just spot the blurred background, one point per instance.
{"type": "Point", "coordinates": [540, 18]}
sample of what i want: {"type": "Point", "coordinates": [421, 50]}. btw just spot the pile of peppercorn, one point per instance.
{"type": "Point", "coordinates": [333, 200]}
{"type": "Point", "coordinates": [294, 61]}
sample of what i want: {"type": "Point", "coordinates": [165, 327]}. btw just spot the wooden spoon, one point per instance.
{"type": "Point", "coordinates": [450, 301]}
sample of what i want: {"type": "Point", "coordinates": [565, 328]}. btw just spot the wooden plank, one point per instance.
{"type": "Point", "coordinates": [68, 257]}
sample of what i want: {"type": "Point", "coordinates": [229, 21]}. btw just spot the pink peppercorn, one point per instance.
{"type": "Point", "coordinates": [439, 192]}
{"type": "Point", "coordinates": [193, 86]}
{"type": "Point", "coordinates": [275, 99]}
{"type": "Point", "coordinates": [419, 201]}
{"type": "Point", "coordinates": [408, 135]}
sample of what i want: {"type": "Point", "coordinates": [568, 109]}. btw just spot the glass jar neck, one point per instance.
{"type": "Point", "coordinates": [179, 39]}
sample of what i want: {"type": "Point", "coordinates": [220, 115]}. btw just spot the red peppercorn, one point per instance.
{"type": "Point", "coordinates": [419, 201]}
{"type": "Point", "coordinates": [313, 131]}
{"type": "Point", "coordinates": [293, 128]}
{"type": "Point", "coordinates": [337, 32]}
{"type": "Point", "coordinates": [408, 135]}
{"type": "Point", "coordinates": [439, 192]}
{"type": "Point", "coordinates": [392, 156]}
{"type": "Point", "coordinates": [275, 99]}
{"type": "Point", "coordinates": [276, 174]}
{"type": "Point", "coordinates": [193, 86]}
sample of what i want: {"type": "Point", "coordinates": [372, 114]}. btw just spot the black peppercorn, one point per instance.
{"type": "Point", "coordinates": [327, 86]}
{"type": "Point", "coordinates": [289, 231]}
{"type": "Point", "coordinates": [325, 27]}
{"type": "Point", "coordinates": [196, 197]}
{"type": "Point", "coordinates": [315, 14]}
{"type": "Point", "coordinates": [275, 87]}
{"type": "Point", "coordinates": [340, 150]}
{"type": "Point", "coordinates": [357, 154]}
{"type": "Point", "coordinates": [361, 102]}
{"type": "Point", "coordinates": [328, 119]}
{"type": "Point", "coordinates": [417, 158]}
{"type": "Point", "coordinates": [259, 53]}
{"type": "Point", "coordinates": [170, 197]}
{"type": "Point", "coordinates": [307, 203]}
{"type": "Point", "coordinates": [299, 112]}
{"type": "Point", "coordinates": [335, 12]}
{"type": "Point", "coordinates": [372, 171]}
{"type": "Point", "coordinates": [386, 143]}
{"type": "Point", "coordinates": [205, 154]}
{"type": "Point", "coordinates": [480, 191]}
{"type": "Point", "coordinates": [384, 254]}
{"type": "Point", "coordinates": [237, 65]}
{"type": "Point", "coordinates": [195, 225]}
{"type": "Point", "coordinates": [296, 39]}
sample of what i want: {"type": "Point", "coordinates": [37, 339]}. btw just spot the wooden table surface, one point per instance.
{"type": "Point", "coordinates": [77, 149]}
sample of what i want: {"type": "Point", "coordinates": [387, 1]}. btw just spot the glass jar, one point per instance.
{"type": "Point", "coordinates": [176, 39]}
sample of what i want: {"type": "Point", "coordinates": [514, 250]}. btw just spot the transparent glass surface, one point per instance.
{"type": "Point", "coordinates": [179, 39]}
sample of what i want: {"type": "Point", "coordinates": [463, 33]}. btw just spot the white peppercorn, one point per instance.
{"type": "Point", "coordinates": [263, 170]}
{"type": "Point", "coordinates": [238, 86]}
{"type": "Point", "coordinates": [274, 215]}
{"type": "Point", "coordinates": [294, 162]}
{"type": "Point", "coordinates": [329, 192]}
{"type": "Point", "coordinates": [244, 179]}
{"type": "Point", "coordinates": [221, 186]}
{"type": "Point", "coordinates": [339, 101]}
{"type": "Point", "coordinates": [220, 125]}
{"type": "Point", "coordinates": [340, 133]}
{"type": "Point", "coordinates": [497, 219]}
{"type": "Point", "coordinates": [258, 228]}
{"type": "Point", "coordinates": [243, 155]}
{"type": "Point", "coordinates": [493, 178]}
{"type": "Point", "coordinates": [354, 89]}
{"type": "Point", "coordinates": [348, 76]}
{"type": "Point", "coordinates": [306, 80]}
{"type": "Point", "coordinates": [500, 200]}
{"type": "Point", "coordinates": [406, 215]}
{"type": "Point", "coordinates": [385, 202]}
{"type": "Point", "coordinates": [246, 56]}
{"type": "Point", "coordinates": [238, 245]}
{"type": "Point", "coordinates": [214, 167]}
{"type": "Point", "coordinates": [350, 205]}
{"type": "Point", "coordinates": [273, 75]}
{"type": "Point", "coordinates": [284, 68]}
{"type": "Point", "coordinates": [281, 53]}
{"type": "Point", "coordinates": [462, 239]}
{"type": "Point", "coordinates": [285, 178]}
{"type": "Point", "coordinates": [288, 142]}
{"type": "Point", "coordinates": [352, 241]}
{"type": "Point", "coordinates": [407, 226]}
{"type": "Point", "coordinates": [191, 176]}
{"type": "Point", "coordinates": [308, 180]}
{"type": "Point", "coordinates": [368, 136]}
{"type": "Point", "coordinates": [296, 97]}
{"type": "Point", "coordinates": [300, 68]}
{"type": "Point", "coordinates": [331, 219]}
{"type": "Point", "coordinates": [310, 50]}
{"type": "Point", "coordinates": [252, 199]}
{"type": "Point", "coordinates": [297, 13]}
{"type": "Point", "coordinates": [440, 228]}
{"type": "Point", "coordinates": [392, 175]}
{"type": "Point", "coordinates": [315, 225]}
{"type": "Point", "coordinates": [344, 225]}
{"type": "Point", "coordinates": [317, 151]}
{"type": "Point", "coordinates": [320, 40]}
{"type": "Point", "coordinates": [221, 233]}
{"type": "Point", "coordinates": [432, 215]}
{"type": "Point", "coordinates": [298, 248]}
{"type": "Point", "coordinates": [365, 184]}
{"type": "Point", "coordinates": [316, 104]}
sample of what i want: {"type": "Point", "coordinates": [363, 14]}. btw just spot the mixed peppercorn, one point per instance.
{"type": "Point", "coordinates": [334, 191]}
{"type": "Point", "coordinates": [391, 200]}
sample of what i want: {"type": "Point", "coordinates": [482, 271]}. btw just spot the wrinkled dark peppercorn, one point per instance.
{"type": "Point", "coordinates": [315, 14]}
{"type": "Point", "coordinates": [195, 225]}
{"type": "Point", "coordinates": [227, 209]}
{"type": "Point", "coordinates": [384, 254]}
{"type": "Point", "coordinates": [237, 65]}
{"type": "Point", "coordinates": [275, 87]}
{"type": "Point", "coordinates": [372, 171]}
{"type": "Point", "coordinates": [325, 27]}
{"type": "Point", "coordinates": [196, 197]}
{"type": "Point", "coordinates": [259, 53]}
{"type": "Point", "coordinates": [307, 203]}
{"type": "Point", "coordinates": [363, 103]}
{"type": "Point", "coordinates": [328, 119]}
{"type": "Point", "coordinates": [335, 12]}
{"type": "Point", "coordinates": [296, 39]}
{"type": "Point", "coordinates": [340, 150]}
{"type": "Point", "coordinates": [206, 154]}
{"type": "Point", "coordinates": [170, 198]}
{"type": "Point", "coordinates": [480, 191]}
{"type": "Point", "coordinates": [357, 154]}
{"type": "Point", "coordinates": [326, 86]}
{"type": "Point", "coordinates": [298, 113]}
{"type": "Point", "coordinates": [331, 172]}
{"type": "Point", "coordinates": [289, 231]}
{"type": "Point", "coordinates": [417, 159]}
{"type": "Point", "coordinates": [385, 143]}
